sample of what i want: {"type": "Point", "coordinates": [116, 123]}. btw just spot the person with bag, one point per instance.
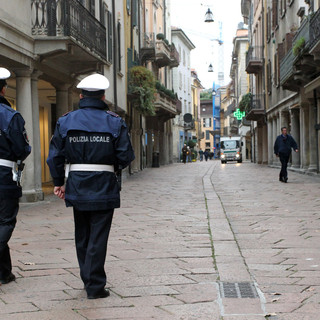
{"type": "Point", "coordinates": [95, 144]}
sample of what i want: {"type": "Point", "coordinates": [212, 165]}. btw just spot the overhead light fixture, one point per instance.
{"type": "Point", "coordinates": [210, 68]}
{"type": "Point", "coordinates": [209, 16]}
{"type": "Point", "coordinates": [214, 92]}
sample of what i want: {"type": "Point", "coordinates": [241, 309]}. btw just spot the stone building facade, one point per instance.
{"type": "Point", "coordinates": [289, 75]}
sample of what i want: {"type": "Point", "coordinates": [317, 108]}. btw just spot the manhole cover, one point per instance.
{"type": "Point", "coordinates": [238, 290]}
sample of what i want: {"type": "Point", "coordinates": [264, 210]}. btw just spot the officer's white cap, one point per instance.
{"type": "Point", "coordinates": [95, 82]}
{"type": "Point", "coordinates": [4, 73]}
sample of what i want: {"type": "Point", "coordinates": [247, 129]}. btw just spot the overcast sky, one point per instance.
{"type": "Point", "coordinates": [189, 15]}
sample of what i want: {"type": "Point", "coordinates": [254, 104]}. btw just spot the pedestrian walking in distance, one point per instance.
{"type": "Point", "coordinates": [282, 149]}
{"type": "Point", "coordinates": [95, 144]}
{"type": "Point", "coordinates": [14, 148]}
{"type": "Point", "coordinates": [201, 154]}
{"type": "Point", "coordinates": [184, 153]}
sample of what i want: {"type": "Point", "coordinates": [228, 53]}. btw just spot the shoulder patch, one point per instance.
{"type": "Point", "coordinates": [113, 114]}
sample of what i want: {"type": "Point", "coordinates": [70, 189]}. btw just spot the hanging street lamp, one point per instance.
{"type": "Point", "coordinates": [209, 16]}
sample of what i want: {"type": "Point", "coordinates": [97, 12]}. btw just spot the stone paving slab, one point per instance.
{"type": "Point", "coordinates": [181, 230]}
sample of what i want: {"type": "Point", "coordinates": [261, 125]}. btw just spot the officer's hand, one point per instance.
{"type": "Point", "coordinates": [59, 192]}
{"type": "Point", "coordinates": [296, 150]}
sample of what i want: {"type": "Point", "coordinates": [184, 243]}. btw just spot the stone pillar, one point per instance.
{"type": "Point", "coordinates": [295, 132]}
{"type": "Point", "coordinates": [36, 145]}
{"type": "Point", "coordinates": [62, 100]}
{"type": "Point", "coordinates": [312, 140]}
{"type": "Point", "coordinates": [259, 143]}
{"type": "Point", "coordinates": [270, 141]}
{"type": "Point", "coordinates": [305, 137]}
{"type": "Point", "coordinates": [318, 132]}
{"type": "Point", "coordinates": [150, 138]}
{"type": "Point", "coordinates": [24, 106]}
{"type": "Point", "coordinates": [284, 120]}
{"type": "Point", "coordinates": [70, 99]}
{"type": "Point", "coordinates": [275, 134]}
{"type": "Point", "coordinates": [265, 144]}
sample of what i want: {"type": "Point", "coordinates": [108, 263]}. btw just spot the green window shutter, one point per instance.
{"type": "Point", "coordinates": [135, 11]}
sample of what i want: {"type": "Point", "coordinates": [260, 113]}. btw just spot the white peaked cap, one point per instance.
{"type": "Point", "coordinates": [4, 73]}
{"type": "Point", "coordinates": [95, 82]}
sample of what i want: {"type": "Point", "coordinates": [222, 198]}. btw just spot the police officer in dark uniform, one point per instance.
{"type": "Point", "coordinates": [14, 148]}
{"type": "Point", "coordinates": [94, 144]}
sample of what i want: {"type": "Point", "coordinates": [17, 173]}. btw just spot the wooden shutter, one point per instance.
{"type": "Point", "coordinates": [289, 39]}
{"type": "Point", "coordinates": [274, 14]}
{"type": "Point", "coordinates": [119, 45]}
{"type": "Point", "coordinates": [109, 32]}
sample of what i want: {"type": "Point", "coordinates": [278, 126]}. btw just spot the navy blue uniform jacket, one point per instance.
{"type": "Point", "coordinates": [90, 135]}
{"type": "Point", "coordinates": [14, 145]}
{"type": "Point", "coordinates": [284, 146]}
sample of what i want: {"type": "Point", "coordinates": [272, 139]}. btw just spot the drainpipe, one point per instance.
{"type": "Point", "coordinates": [115, 58]}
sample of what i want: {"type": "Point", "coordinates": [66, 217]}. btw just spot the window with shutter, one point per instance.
{"type": "Point", "coordinates": [119, 45]}
{"type": "Point", "coordinates": [92, 6]}
{"type": "Point", "coordinates": [275, 10]}
{"type": "Point", "coordinates": [276, 76]}
{"type": "Point", "coordinates": [268, 24]}
{"type": "Point", "coordinates": [269, 79]}
{"type": "Point", "coordinates": [288, 41]}
{"type": "Point", "coordinates": [135, 11]}
{"type": "Point", "coordinates": [129, 6]}
{"type": "Point", "coordinates": [283, 8]}
{"type": "Point", "coordinates": [102, 12]}
{"type": "Point", "coordinates": [109, 33]}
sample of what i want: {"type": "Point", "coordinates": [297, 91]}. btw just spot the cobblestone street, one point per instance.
{"type": "Point", "coordinates": [194, 241]}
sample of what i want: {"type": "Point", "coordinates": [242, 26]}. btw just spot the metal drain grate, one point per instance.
{"type": "Point", "coordinates": [238, 290]}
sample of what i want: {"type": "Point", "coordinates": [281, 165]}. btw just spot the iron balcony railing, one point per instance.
{"type": "Point", "coordinates": [315, 29]}
{"type": "Point", "coordinates": [257, 102]}
{"type": "Point", "coordinates": [68, 18]}
{"type": "Point", "coordinates": [148, 40]}
{"type": "Point", "coordinates": [303, 33]}
{"type": "Point", "coordinates": [256, 109]}
{"type": "Point", "coordinates": [254, 59]}
{"type": "Point", "coordinates": [179, 106]}
{"type": "Point", "coordinates": [289, 61]}
{"type": "Point", "coordinates": [175, 57]}
{"type": "Point", "coordinates": [286, 67]}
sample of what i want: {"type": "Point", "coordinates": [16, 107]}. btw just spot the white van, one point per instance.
{"type": "Point", "coordinates": [230, 149]}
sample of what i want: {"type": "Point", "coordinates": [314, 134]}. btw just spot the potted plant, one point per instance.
{"type": "Point", "coordinates": [142, 87]}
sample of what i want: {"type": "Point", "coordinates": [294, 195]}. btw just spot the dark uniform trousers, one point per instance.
{"type": "Point", "coordinates": [284, 159]}
{"type": "Point", "coordinates": [92, 230]}
{"type": "Point", "coordinates": [8, 218]}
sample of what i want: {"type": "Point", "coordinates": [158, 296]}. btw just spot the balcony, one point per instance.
{"type": "Point", "coordinates": [165, 106]}
{"type": "Point", "coordinates": [254, 60]}
{"type": "Point", "coordinates": [298, 67]}
{"type": "Point", "coordinates": [162, 54]}
{"type": "Point", "coordinates": [315, 34]}
{"type": "Point", "coordinates": [179, 106]}
{"type": "Point", "coordinates": [174, 56]}
{"type": "Point", "coordinates": [158, 51]}
{"type": "Point", "coordinates": [63, 30]}
{"type": "Point", "coordinates": [256, 110]}
{"type": "Point", "coordinates": [148, 44]}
